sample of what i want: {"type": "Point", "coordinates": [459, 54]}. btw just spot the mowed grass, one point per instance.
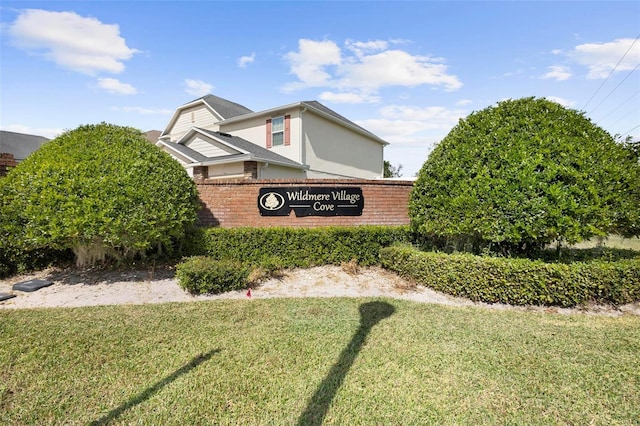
{"type": "Point", "coordinates": [316, 361]}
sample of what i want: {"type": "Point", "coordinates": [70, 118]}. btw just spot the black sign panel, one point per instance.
{"type": "Point", "coordinates": [311, 201]}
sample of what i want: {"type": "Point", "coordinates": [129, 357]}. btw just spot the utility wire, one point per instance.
{"type": "Point", "coordinates": [630, 130]}
{"type": "Point", "coordinates": [619, 106]}
{"type": "Point", "coordinates": [615, 88]}
{"type": "Point", "coordinates": [611, 72]}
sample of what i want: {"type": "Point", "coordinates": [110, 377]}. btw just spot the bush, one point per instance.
{"type": "Point", "coordinates": [515, 177]}
{"type": "Point", "coordinates": [518, 281]}
{"type": "Point", "coordinates": [302, 247]}
{"type": "Point", "coordinates": [101, 190]}
{"type": "Point", "coordinates": [202, 275]}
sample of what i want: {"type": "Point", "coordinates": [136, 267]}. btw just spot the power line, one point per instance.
{"type": "Point", "coordinates": [630, 130]}
{"type": "Point", "coordinates": [611, 72]}
{"type": "Point", "coordinates": [615, 88]}
{"type": "Point", "coordinates": [619, 106]}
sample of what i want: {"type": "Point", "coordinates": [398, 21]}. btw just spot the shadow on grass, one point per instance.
{"type": "Point", "coordinates": [149, 392]}
{"type": "Point", "coordinates": [370, 314]}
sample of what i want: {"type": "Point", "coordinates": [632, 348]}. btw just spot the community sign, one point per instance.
{"type": "Point", "coordinates": [311, 201]}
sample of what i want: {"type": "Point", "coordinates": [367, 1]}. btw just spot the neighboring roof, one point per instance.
{"type": "Point", "coordinates": [20, 144]}
{"type": "Point", "coordinates": [247, 149]}
{"type": "Point", "coordinates": [152, 135]}
{"type": "Point", "coordinates": [221, 107]}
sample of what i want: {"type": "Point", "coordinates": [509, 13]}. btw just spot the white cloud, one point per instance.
{"type": "Point", "coordinates": [431, 117]}
{"type": "Point", "coordinates": [564, 102]}
{"type": "Point", "coordinates": [244, 60]}
{"type": "Point", "coordinates": [349, 98]}
{"type": "Point", "coordinates": [50, 133]}
{"type": "Point", "coordinates": [197, 87]}
{"type": "Point", "coordinates": [74, 42]}
{"type": "Point", "coordinates": [558, 73]}
{"type": "Point", "coordinates": [601, 58]}
{"type": "Point", "coordinates": [113, 85]}
{"type": "Point", "coordinates": [364, 66]}
{"type": "Point", "coordinates": [360, 47]}
{"type": "Point", "coordinates": [143, 111]}
{"type": "Point", "coordinates": [400, 124]}
{"type": "Point", "coordinates": [309, 63]}
{"type": "Point", "coordinates": [464, 102]}
{"type": "Point", "coordinates": [397, 68]}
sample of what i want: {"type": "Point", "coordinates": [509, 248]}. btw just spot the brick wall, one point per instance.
{"type": "Point", "coordinates": [228, 203]}
{"type": "Point", "coordinates": [6, 162]}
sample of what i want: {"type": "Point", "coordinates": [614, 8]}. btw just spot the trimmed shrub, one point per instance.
{"type": "Point", "coordinates": [101, 190]}
{"type": "Point", "coordinates": [518, 281]}
{"type": "Point", "coordinates": [515, 177]}
{"type": "Point", "coordinates": [302, 247]}
{"type": "Point", "coordinates": [202, 275]}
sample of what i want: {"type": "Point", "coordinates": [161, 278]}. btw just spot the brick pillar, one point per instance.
{"type": "Point", "coordinates": [200, 172]}
{"type": "Point", "coordinates": [250, 170]}
{"type": "Point", "coordinates": [6, 162]}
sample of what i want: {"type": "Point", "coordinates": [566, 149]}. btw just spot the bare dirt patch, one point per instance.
{"type": "Point", "coordinates": [91, 287]}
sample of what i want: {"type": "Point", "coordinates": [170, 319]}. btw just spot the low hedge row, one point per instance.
{"type": "Point", "coordinates": [518, 281]}
{"type": "Point", "coordinates": [301, 248]}
{"type": "Point", "coordinates": [225, 259]}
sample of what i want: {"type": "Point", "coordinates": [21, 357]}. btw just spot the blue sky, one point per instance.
{"type": "Point", "coordinates": [407, 71]}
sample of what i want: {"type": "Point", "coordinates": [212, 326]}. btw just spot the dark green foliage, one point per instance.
{"type": "Point", "coordinates": [17, 261]}
{"type": "Point", "coordinates": [518, 281]}
{"type": "Point", "coordinates": [300, 247]}
{"type": "Point", "coordinates": [515, 177]}
{"type": "Point", "coordinates": [101, 190]}
{"type": "Point", "coordinates": [202, 275]}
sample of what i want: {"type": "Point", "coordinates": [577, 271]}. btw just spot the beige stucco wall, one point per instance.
{"type": "Point", "coordinates": [334, 149]}
{"type": "Point", "coordinates": [255, 130]}
{"type": "Point", "coordinates": [230, 170]}
{"type": "Point", "coordinates": [278, 172]}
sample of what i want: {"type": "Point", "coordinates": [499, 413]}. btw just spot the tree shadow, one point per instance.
{"type": "Point", "coordinates": [150, 391]}
{"type": "Point", "coordinates": [370, 314]}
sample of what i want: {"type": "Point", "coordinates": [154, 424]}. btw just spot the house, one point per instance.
{"type": "Point", "coordinates": [15, 147]}
{"type": "Point", "coordinates": [216, 138]}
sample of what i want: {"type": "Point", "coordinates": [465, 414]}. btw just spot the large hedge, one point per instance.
{"type": "Point", "coordinates": [102, 190]}
{"type": "Point", "coordinates": [522, 174]}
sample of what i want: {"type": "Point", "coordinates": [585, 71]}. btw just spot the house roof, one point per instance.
{"type": "Point", "coordinates": [19, 144]}
{"type": "Point", "coordinates": [221, 107]}
{"type": "Point", "coordinates": [152, 135]}
{"type": "Point", "coordinates": [246, 149]}
{"type": "Point", "coordinates": [225, 108]}
{"type": "Point", "coordinates": [316, 107]}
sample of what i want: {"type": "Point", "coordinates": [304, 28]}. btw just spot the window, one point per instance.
{"type": "Point", "coordinates": [277, 131]}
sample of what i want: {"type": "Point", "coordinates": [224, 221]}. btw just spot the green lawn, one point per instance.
{"type": "Point", "coordinates": [308, 361]}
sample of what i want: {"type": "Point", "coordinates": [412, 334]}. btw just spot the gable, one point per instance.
{"type": "Point", "coordinates": [208, 147]}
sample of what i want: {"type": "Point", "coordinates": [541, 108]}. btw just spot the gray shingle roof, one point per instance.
{"type": "Point", "coordinates": [185, 150]}
{"type": "Point", "coordinates": [317, 105]}
{"type": "Point", "coordinates": [19, 144]}
{"type": "Point", "coordinates": [225, 108]}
